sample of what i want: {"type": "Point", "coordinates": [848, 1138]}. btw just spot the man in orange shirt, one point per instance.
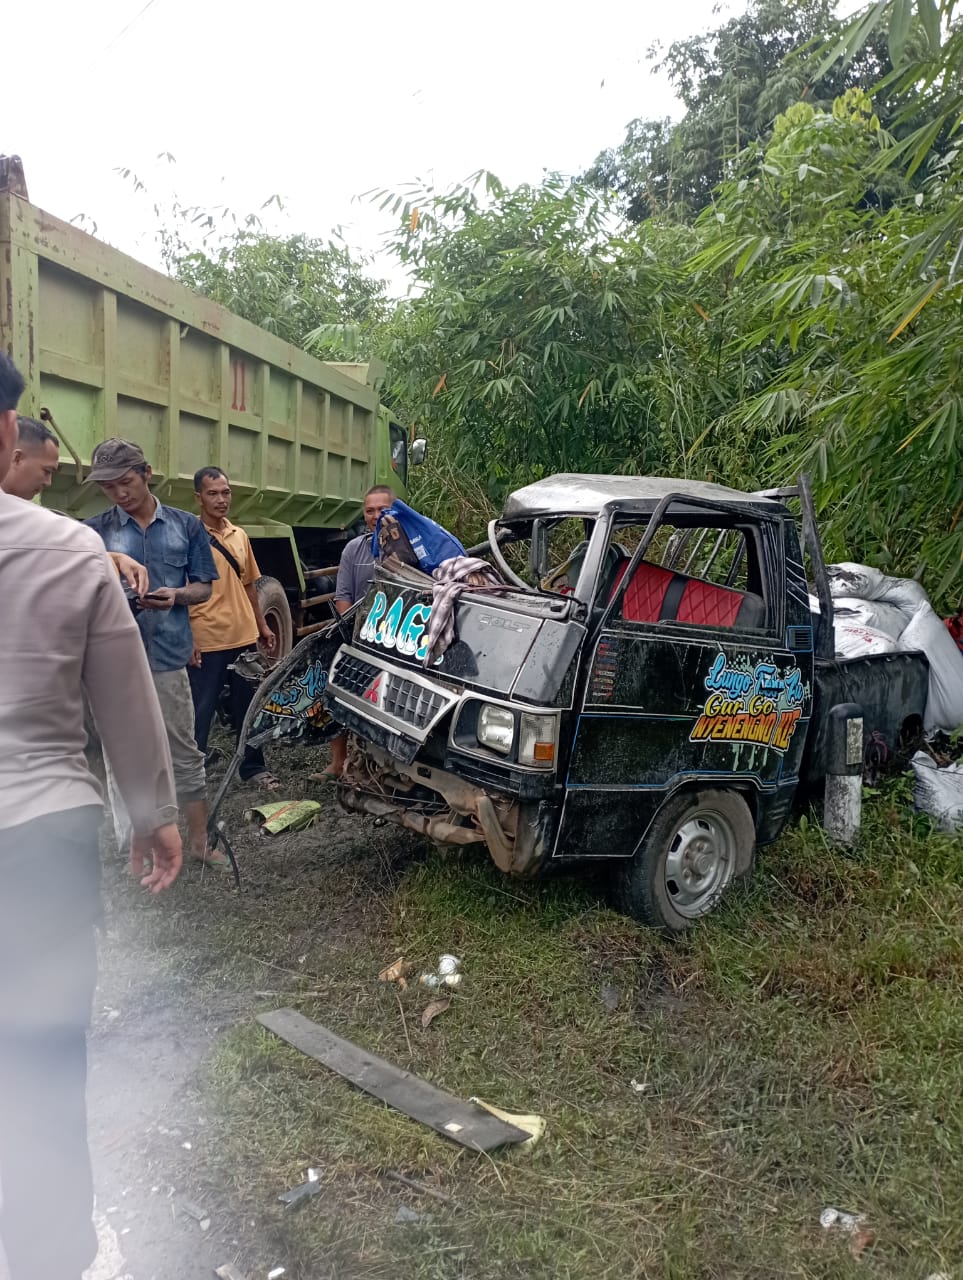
{"type": "Point", "coordinates": [228, 623]}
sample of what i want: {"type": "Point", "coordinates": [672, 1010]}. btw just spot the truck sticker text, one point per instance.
{"type": "Point", "coordinates": [756, 704]}
{"type": "Point", "coordinates": [394, 628]}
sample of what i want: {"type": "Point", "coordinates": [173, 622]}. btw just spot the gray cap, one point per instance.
{"type": "Point", "coordinates": [113, 459]}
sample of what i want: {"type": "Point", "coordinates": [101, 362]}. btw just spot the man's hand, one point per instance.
{"type": "Point", "coordinates": [157, 858]}
{"type": "Point", "coordinates": [162, 600]}
{"type": "Point", "coordinates": [133, 571]}
{"type": "Point", "coordinates": [196, 657]}
{"type": "Point", "coordinates": [269, 641]}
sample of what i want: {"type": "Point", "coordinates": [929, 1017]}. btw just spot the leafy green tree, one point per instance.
{"type": "Point", "coordinates": [534, 340]}
{"type": "Point", "coordinates": [732, 82]}
{"type": "Point", "coordinates": [312, 293]}
{"type": "Point", "coordinates": [857, 326]}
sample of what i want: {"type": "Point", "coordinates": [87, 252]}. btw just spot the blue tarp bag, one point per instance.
{"type": "Point", "coordinates": [429, 541]}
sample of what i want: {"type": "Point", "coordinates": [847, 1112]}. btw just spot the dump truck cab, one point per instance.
{"type": "Point", "coordinates": [639, 691]}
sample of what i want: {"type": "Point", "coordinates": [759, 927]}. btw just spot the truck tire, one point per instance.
{"type": "Point", "coordinates": [277, 614]}
{"type": "Point", "coordinates": [697, 843]}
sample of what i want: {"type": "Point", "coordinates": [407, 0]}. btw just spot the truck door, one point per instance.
{"type": "Point", "coordinates": [690, 679]}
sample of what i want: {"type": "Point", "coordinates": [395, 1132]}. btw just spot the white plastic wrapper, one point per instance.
{"type": "Point", "coordinates": [849, 581]}
{"type": "Point", "coordinates": [876, 614]}
{"type": "Point", "coordinates": [859, 581]}
{"type": "Point", "coordinates": [854, 641]}
{"type": "Point", "coordinates": [938, 791]}
{"type": "Point", "coordinates": [944, 704]}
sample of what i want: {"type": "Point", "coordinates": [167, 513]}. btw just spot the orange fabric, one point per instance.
{"type": "Point", "coordinates": [227, 621]}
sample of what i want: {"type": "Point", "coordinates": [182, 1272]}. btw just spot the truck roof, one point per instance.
{"type": "Point", "coordinates": [570, 493]}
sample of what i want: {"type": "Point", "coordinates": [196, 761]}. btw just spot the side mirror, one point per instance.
{"type": "Point", "coordinates": [418, 452]}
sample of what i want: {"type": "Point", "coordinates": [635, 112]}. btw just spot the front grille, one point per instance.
{"type": "Point", "coordinates": [412, 703]}
{"type": "Point", "coordinates": [353, 675]}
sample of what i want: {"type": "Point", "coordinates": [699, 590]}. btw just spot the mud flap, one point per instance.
{"type": "Point", "coordinates": [288, 705]}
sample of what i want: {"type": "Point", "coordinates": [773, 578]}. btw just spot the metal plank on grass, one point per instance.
{"type": "Point", "coordinates": [450, 1116]}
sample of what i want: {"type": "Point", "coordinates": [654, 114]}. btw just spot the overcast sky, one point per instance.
{"type": "Point", "coordinates": [319, 103]}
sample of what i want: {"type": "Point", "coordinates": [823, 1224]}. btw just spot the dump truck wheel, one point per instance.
{"type": "Point", "coordinates": [274, 605]}
{"type": "Point", "coordinates": [697, 843]}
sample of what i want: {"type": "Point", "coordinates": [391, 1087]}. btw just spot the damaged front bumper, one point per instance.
{"type": "Point", "coordinates": [444, 807]}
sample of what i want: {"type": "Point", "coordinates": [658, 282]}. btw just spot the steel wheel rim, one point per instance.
{"type": "Point", "coordinates": [699, 863]}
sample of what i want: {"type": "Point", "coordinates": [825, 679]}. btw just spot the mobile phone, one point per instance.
{"type": "Point", "coordinates": [152, 595]}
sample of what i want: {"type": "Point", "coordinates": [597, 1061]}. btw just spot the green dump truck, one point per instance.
{"type": "Point", "coordinates": [109, 347]}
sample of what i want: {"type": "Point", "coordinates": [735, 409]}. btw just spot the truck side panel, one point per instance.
{"type": "Point", "coordinates": [112, 347]}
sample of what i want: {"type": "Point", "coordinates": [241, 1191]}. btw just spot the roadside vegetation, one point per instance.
{"type": "Point", "coordinates": [705, 1099]}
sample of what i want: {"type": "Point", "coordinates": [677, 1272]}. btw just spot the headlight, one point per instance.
{"type": "Point", "coordinates": [536, 740]}
{"type": "Point", "coordinates": [496, 728]}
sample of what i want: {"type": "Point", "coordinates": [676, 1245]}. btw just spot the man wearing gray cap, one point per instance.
{"type": "Point", "coordinates": [176, 551]}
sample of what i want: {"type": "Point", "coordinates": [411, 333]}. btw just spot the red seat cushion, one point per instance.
{"type": "Point", "coordinates": [706, 605]}
{"type": "Point", "coordinates": [644, 595]}
{"type": "Point", "coordinates": [692, 600]}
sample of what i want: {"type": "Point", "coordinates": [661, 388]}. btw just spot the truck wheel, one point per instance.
{"type": "Point", "coordinates": [698, 841]}
{"type": "Point", "coordinates": [277, 614]}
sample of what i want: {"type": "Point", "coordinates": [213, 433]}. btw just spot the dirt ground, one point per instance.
{"type": "Point", "coordinates": [155, 1020]}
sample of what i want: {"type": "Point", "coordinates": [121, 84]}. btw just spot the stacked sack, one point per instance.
{"type": "Point", "coordinates": [878, 614]}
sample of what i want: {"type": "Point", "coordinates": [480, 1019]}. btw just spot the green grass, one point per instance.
{"type": "Point", "coordinates": [800, 1049]}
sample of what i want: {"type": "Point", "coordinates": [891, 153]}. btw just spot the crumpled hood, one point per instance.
{"type": "Point", "coordinates": [516, 647]}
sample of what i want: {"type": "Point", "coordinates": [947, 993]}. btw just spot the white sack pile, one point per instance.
{"type": "Point", "coordinates": [878, 614]}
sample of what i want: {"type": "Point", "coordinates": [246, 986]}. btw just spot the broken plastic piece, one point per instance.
{"type": "Point", "coordinates": [273, 1275]}
{"type": "Point", "coordinates": [406, 1215]}
{"type": "Point", "coordinates": [295, 1196]}
{"type": "Point", "coordinates": [395, 972]}
{"type": "Point", "coordinates": [533, 1125]}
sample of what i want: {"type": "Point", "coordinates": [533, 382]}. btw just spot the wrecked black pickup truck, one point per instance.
{"type": "Point", "coordinates": [647, 687]}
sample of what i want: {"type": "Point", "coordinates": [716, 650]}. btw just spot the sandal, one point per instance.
{"type": "Point", "coordinates": [265, 780]}
{"type": "Point", "coordinates": [325, 777]}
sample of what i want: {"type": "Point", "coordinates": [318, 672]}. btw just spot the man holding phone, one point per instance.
{"type": "Point", "coordinates": [176, 551]}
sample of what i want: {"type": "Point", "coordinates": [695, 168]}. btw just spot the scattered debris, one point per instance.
{"type": "Point", "coordinates": [406, 1215]}
{"type": "Point", "coordinates": [193, 1210]}
{"type": "Point", "coordinates": [396, 972]}
{"type": "Point", "coordinates": [533, 1125]}
{"type": "Point", "coordinates": [227, 1272]}
{"type": "Point", "coordinates": [854, 1225]}
{"type": "Point", "coordinates": [275, 1273]}
{"type": "Point", "coordinates": [188, 1146]}
{"type": "Point", "coordinates": [300, 1194]}
{"type": "Point", "coordinates": [639, 1086]}
{"type": "Point", "coordinates": [475, 1128]}
{"type": "Point", "coordinates": [446, 975]}
{"type": "Point", "coordinates": [421, 1187]}
{"type": "Point", "coordinates": [432, 1011]}
{"type": "Point", "coordinates": [611, 996]}
{"type": "Point", "coordinates": [938, 791]}
{"type": "Point", "coordinates": [285, 815]}
{"type": "Point", "coordinates": [841, 1220]}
